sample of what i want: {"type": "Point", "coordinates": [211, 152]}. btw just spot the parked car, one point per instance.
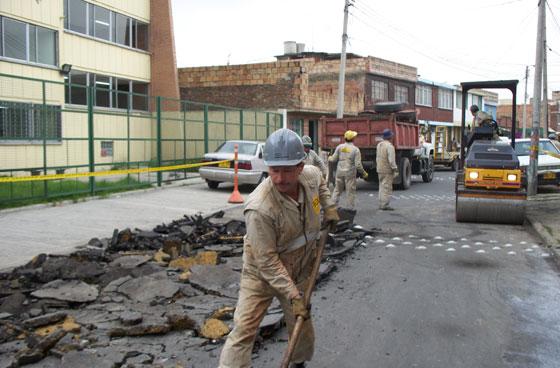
{"type": "Point", "coordinates": [548, 166]}
{"type": "Point", "coordinates": [252, 169]}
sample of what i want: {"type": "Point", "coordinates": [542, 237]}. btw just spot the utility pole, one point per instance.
{"type": "Point", "coordinates": [525, 103]}
{"type": "Point", "coordinates": [534, 156]}
{"type": "Point", "coordinates": [545, 82]}
{"type": "Point", "coordinates": [341, 74]}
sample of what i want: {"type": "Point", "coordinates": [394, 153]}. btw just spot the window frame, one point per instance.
{"type": "Point", "coordinates": [375, 87]}
{"type": "Point", "coordinates": [445, 98]}
{"type": "Point", "coordinates": [399, 88]}
{"type": "Point", "coordinates": [28, 59]}
{"type": "Point", "coordinates": [424, 92]}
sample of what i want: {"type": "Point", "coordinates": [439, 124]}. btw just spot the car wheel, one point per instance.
{"type": "Point", "coordinates": [212, 184]}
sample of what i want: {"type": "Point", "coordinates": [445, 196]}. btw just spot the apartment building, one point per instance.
{"type": "Point", "coordinates": [58, 56]}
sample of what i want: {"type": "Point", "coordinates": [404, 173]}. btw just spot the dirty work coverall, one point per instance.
{"type": "Point", "coordinates": [278, 254]}
{"type": "Point", "coordinates": [386, 171]}
{"type": "Point", "coordinates": [349, 161]}
{"type": "Point", "coordinates": [314, 159]}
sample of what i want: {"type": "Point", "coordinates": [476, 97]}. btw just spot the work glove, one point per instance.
{"type": "Point", "coordinates": [331, 218]}
{"type": "Point", "coordinates": [395, 173]}
{"type": "Point", "coordinates": [299, 308]}
{"type": "Point", "coordinates": [365, 175]}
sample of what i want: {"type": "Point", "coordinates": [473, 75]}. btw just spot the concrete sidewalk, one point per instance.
{"type": "Point", "coordinates": [29, 231]}
{"type": "Point", "coordinates": [543, 214]}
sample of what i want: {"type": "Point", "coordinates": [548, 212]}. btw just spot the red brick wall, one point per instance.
{"type": "Point", "coordinates": [164, 81]}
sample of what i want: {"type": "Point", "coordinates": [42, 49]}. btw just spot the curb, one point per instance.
{"type": "Point", "coordinates": [549, 241]}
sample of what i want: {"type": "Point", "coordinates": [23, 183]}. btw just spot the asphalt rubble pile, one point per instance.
{"type": "Point", "coordinates": [160, 298]}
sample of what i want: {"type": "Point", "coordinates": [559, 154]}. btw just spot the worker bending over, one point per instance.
{"type": "Point", "coordinates": [312, 157]}
{"type": "Point", "coordinates": [283, 224]}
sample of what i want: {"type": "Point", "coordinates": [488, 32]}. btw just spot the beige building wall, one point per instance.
{"type": "Point", "coordinates": [84, 53]}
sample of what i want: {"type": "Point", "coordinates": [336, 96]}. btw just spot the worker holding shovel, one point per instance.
{"type": "Point", "coordinates": [283, 218]}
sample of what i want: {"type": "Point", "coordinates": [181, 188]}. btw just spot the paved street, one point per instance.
{"type": "Point", "coordinates": [433, 293]}
{"type": "Point", "coordinates": [425, 292]}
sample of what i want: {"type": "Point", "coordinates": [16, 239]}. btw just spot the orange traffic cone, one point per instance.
{"type": "Point", "coordinates": [235, 197]}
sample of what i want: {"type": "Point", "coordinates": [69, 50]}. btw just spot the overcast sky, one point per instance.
{"type": "Point", "coordinates": [448, 41]}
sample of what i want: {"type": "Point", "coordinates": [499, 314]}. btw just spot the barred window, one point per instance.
{"type": "Point", "coordinates": [424, 95]}
{"type": "Point", "coordinates": [26, 121]}
{"type": "Point", "coordinates": [401, 94]}
{"type": "Point", "coordinates": [445, 99]}
{"type": "Point", "coordinates": [379, 90]}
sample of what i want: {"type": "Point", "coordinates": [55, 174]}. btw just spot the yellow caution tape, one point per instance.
{"type": "Point", "coordinates": [107, 173]}
{"type": "Point", "coordinates": [549, 153]}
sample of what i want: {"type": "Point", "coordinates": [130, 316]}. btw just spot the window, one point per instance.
{"type": "Point", "coordinates": [20, 120]}
{"type": "Point", "coordinates": [445, 98]}
{"type": "Point", "coordinates": [108, 91]}
{"type": "Point", "coordinates": [458, 100]}
{"type": "Point", "coordinates": [27, 42]}
{"type": "Point", "coordinates": [121, 88]}
{"type": "Point", "coordinates": [77, 88]}
{"type": "Point", "coordinates": [46, 46]}
{"type": "Point", "coordinates": [140, 96]}
{"type": "Point", "coordinates": [476, 100]}
{"type": "Point", "coordinates": [401, 94]}
{"type": "Point", "coordinates": [121, 29]}
{"type": "Point", "coordinates": [297, 126]}
{"type": "Point", "coordinates": [142, 36]}
{"type": "Point", "coordinates": [102, 86]}
{"type": "Point", "coordinates": [424, 95]}
{"type": "Point", "coordinates": [76, 13]}
{"type": "Point", "coordinates": [101, 23]}
{"type": "Point", "coordinates": [15, 34]}
{"type": "Point", "coordinates": [105, 24]}
{"type": "Point", "coordinates": [379, 91]}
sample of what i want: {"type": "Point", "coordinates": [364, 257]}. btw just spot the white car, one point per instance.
{"type": "Point", "coordinates": [548, 166]}
{"type": "Point", "coordinates": [251, 167]}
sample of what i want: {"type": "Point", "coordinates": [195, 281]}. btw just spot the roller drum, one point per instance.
{"type": "Point", "coordinates": [490, 210]}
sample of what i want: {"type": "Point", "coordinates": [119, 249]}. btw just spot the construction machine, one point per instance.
{"type": "Point", "coordinates": [443, 155]}
{"type": "Point", "coordinates": [488, 185]}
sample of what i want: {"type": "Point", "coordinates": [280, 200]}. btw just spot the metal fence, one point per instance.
{"type": "Point", "coordinates": [42, 134]}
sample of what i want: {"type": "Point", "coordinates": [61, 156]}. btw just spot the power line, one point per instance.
{"type": "Point", "coordinates": [553, 16]}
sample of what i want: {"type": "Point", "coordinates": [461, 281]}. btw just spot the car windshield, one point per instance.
{"type": "Point", "coordinates": [245, 148]}
{"type": "Point", "coordinates": [523, 148]}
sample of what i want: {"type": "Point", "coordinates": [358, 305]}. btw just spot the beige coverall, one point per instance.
{"type": "Point", "coordinates": [386, 171]}
{"type": "Point", "coordinates": [349, 161]}
{"type": "Point", "coordinates": [314, 160]}
{"type": "Point", "coordinates": [278, 254]}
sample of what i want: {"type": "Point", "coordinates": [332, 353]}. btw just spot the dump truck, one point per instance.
{"type": "Point", "coordinates": [412, 157]}
{"type": "Point", "coordinates": [489, 185]}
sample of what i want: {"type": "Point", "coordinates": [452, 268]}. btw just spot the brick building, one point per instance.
{"type": "Point", "coordinates": [304, 83]}
{"type": "Point", "coordinates": [504, 115]}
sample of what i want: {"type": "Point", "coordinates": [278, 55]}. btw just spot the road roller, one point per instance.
{"type": "Point", "coordinates": [488, 184]}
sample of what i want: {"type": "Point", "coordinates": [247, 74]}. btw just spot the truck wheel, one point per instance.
{"type": "Point", "coordinates": [405, 173]}
{"type": "Point", "coordinates": [428, 176]}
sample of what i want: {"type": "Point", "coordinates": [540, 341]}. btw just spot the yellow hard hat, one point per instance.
{"type": "Point", "coordinates": [350, 134]}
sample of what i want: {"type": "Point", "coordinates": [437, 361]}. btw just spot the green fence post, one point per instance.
{"type": "Point", "coordinates": [158, 129]}
{"type": "Point", "coordinates": [44, 132]}
{"type": "Point", "coordinates": [185, 138]}
{"type": "Point", "coordinates": [206, 129]}
{"type": "Point", "coordinates": [240, 124]}
{"type": "Point", "coordinates": [91, 139]}
{"type": "Point", "coordinates": [267, 124]}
